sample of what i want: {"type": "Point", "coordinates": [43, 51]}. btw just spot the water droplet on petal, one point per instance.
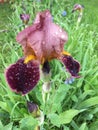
{"type": "Point", "coordinates": [60, 30]}
{"type": "Point", "coordinates": [10, 77]}
{"type": "Point", "coordinates": [62, 36]}
{"type": "Point", "coordinates": [43, 42]}
{"type": "Point", "coordinates": [56, 33]}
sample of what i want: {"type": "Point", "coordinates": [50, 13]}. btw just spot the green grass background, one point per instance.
{"type": "Point", "coordinates": [70, 107]}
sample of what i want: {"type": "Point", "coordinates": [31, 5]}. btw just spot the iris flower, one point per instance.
{"type": "Point", "coordinates": [25, 18]}
{"type": "Point", "coordinates": [41, 42]}
{"type": "Point", "coordinates": [78, 7]}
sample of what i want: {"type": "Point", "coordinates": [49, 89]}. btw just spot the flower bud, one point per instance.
{"type": "Point", "coordinates": [25, 18]}
{"type": "Point", "coordinates": [33, 108]}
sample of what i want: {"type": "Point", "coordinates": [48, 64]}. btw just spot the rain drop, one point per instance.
{"type": "Point", "coordinates": [62, 36]}
{"type": "Point", "coordinates": [60, 30]}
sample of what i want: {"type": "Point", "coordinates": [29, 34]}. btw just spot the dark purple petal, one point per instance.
{"type": "Point", "coordinates": [23, 77]}
{"type": "Point", "coordinates": [72, 65]}
{"type": "Point", "coordinates": [46, 67]}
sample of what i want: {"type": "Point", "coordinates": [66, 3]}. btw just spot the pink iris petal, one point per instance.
{"type": "Point", "coordinates": [72, 65]}
{"type": "Point", "coordinates": [44, 37]}
{"type": "Point", "coordinates": [23, 77]}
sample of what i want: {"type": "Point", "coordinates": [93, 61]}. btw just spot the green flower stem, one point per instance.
{"type": "Point", "coordinates": [46, 91]}
{"type": "Point", "coordinates": [79, 19]}
{"type": "Point", "coordinates": [37, 128]}
{"type": "Point", "coordinates": [40, 121]}
{"type": "Point", "coordinates": [27, 97]}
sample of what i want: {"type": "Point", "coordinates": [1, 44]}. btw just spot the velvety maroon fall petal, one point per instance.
{"type": "Point", "coordinates": [72, 65]}
{"type": "Point", "coordinates": [23, 77]}
{"type": "Point", "coordinates": [44, 37]}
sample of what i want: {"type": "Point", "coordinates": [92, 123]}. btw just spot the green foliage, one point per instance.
{"type": "Point", "coordinates": [28, 123]}
{"type": "Point", "coordinates": [63, 118]}
{"type": "Point", "coordinates": [89, 102]}
{"type": "Point", "coordinates": [70, 106]}
{"type": "Point", "coordinates": [7, 127]}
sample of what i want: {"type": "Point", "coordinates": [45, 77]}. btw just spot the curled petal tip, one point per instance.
{"type": "Point", "coordinates": [22, 77]}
